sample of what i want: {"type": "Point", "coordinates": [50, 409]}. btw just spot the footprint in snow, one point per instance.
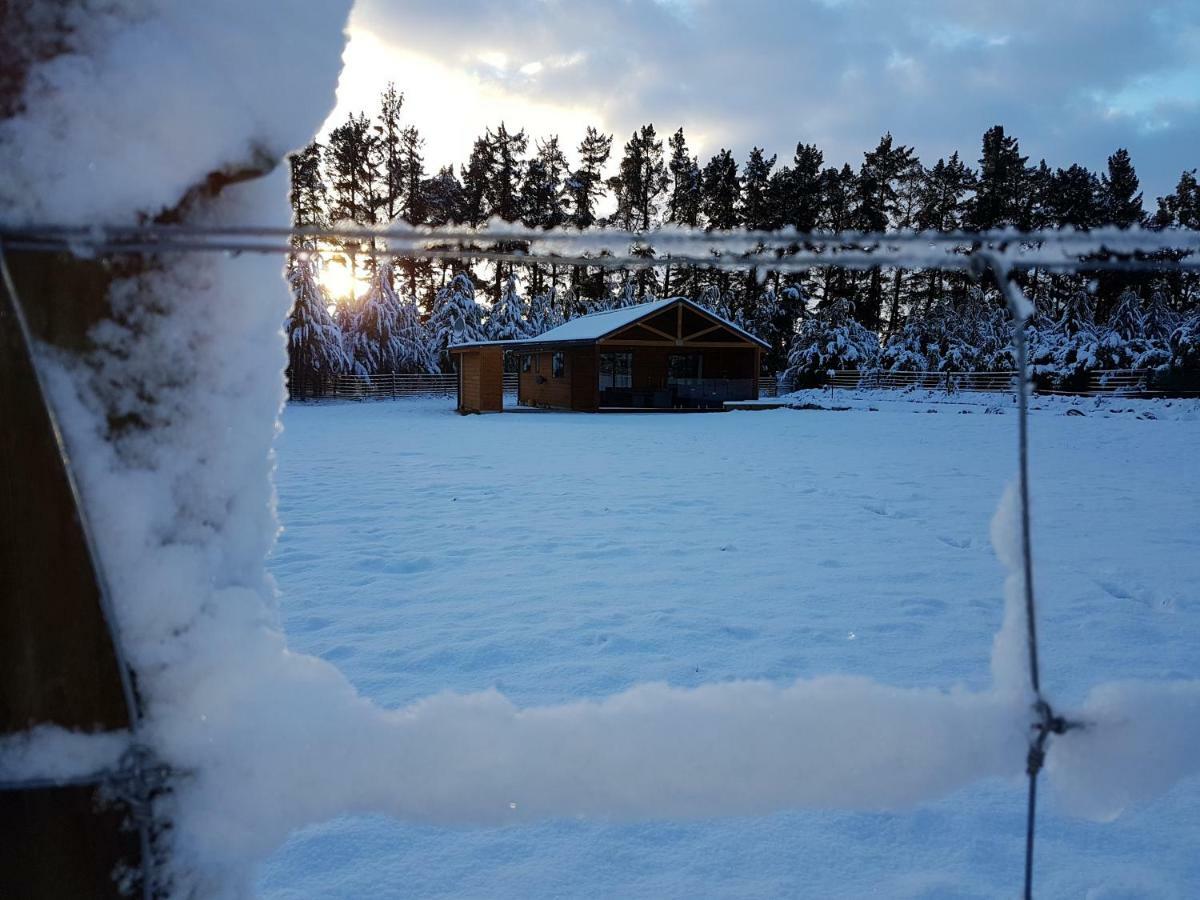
{"type": "Point", "coordinates": [957, 543]}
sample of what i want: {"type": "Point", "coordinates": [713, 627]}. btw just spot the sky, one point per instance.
{"type": "Point", "coordinates": [1072, 80]}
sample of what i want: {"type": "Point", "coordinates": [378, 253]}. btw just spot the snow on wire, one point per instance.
{"type": "Point", "coordinates": [786, 250]}
{"type": "Point", "coordinates": [259, 757]}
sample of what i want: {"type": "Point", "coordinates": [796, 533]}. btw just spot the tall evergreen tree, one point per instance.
{"type": "Point", "coordinates": [945, 190]}
{"type": "Point", "coordinates": [721, 192]}
{"type": "Point", "coordinates": [455, 319]}
{"type": "Point", "coordinates": [476, 178]}
{"type": "Point", "coordinates": [943, 208]}
{"type": "Point", "coordinates": [1001, 185]}
{"type": "Point", "coordinates": [309, 195]}
{"type": "Point", "coordinates": [803, 201]}
{"type": "Point", "coordinates": [375, 341]}
{"type": "Point", "coordinates": [505, 171]}
{"type": "Point", "coordinates": [443, 198]}
{"type": "Point", "coordinates": [758, 211]}
{"type": "Point", "coordinates": [877, 206]}
{"type": "Point", "coordinates": [586, 184]}
{"type": "Point", "coordinates": [1180, 208]}
{"type": "Point", "coordinates": [506, 321]}
{"type": "Point", "coordinates": [1075, 198]}
{"type": "Point", "coordinates": [315, 343]}
{"type": "Point", "coordinates": [640, 181]}
{"type": "Point", "coordinates": [412, 206]}
{"type": "Point", "coordinates": [388, 137]}
{"type": "Point", "coordinates": [683, 206]}
{"type": "Point", "coordinates": [543, 196]}
{"type": "Point", "coordinates": [353, 168]}
{"type": "Point", "coordinates": [1121, 197]}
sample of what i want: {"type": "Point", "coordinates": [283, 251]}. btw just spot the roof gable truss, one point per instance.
{"type": "Point", "coordinates": [678, 326]}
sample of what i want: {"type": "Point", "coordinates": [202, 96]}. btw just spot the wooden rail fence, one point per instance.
{"type": "Point", "coordinates": [381, 386]}
{"type": "Point", "coordinates": [1130, 382]}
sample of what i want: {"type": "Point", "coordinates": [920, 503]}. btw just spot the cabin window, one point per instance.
{"type": "Point", "coordinates": [559, 364]}
{"type": "Point", "coordinates": [616, 370]}
{"type": "Point", "coordinates": [684, 365]}
{"type": "Point", "coordinates": [527, 362]}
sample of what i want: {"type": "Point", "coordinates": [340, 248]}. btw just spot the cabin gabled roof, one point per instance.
{"type": "Point", "coordinates": [599, 325]}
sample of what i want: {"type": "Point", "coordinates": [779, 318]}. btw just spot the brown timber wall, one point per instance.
{"type": "Point", "coordinates": [576, 389]}
{"type": "Point", "coordinates": [481, 385]}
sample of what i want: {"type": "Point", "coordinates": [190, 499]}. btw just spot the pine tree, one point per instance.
{"type": "Point", "coordinates": [831, 340]}
{"type": "Point", "coordinates": [455, 319]}
{"type": "Point", "coordinates": [586, 184]}
{"type": "Point", "coordinates": [415, 352]}
{"type": "Point", "coordinates": [545, 312]}
{"type": "Point", "coordinates": [375, 340]}
{"type": "Point", "coordinates": [476, 176]}
{"type": "Point", "coordinates": [1075, 198]}
{"type": "Point", "coordinates": [413, 205]}
{"type": "Point", "coordinates": [352, 164]}
{"type": "Point", "coordinates": [393, 171]}
{"type": "Point", "coordinates": [640, 181]}
{"type": "Point", "coordinates": [715, 302]}
{"type": "Point", "coordinates": [315, 343]}
{"type": "Point", "coordinates": [1001, 185]}
{"type": "Point", "coordinates": [505, 171]}
{"type": "Point", "coordinates": [309, 195]}
{"type": "Point", "coordinates": [1039, 203]}
{"type": "Point", "coordinates": [1121, 199]}
{"type": "Point", "coordinates": [443, 198]}
{"type": "Point", "coordinates": [353, 168]}
{"type": "Point", "coordinates": [721, 192]}
{"type": "Point", "coordinates": [798, 190]}
{"type": "Point", "coordinates": [683, 206]}
{"type": "Point", "coordinates": [1181, 208]}
{"type": "Point", "coordinates": [877, 206]}
{"type": "Point", "coordinates": [543, 198]}
{"type": "Point", "coordinates": [837, 214]}
{"type": "Point", "coordinates": [942, 208]}
{"type": "Point", "coordinates": [506, 321]}
{"type": "Point", "coordinates": [758, 211]}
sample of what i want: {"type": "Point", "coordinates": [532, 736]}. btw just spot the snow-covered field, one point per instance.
{"type": "Point", "coordinates": [563, 556]}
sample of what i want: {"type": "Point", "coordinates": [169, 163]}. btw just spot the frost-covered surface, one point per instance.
{"type": "Point", "coordinates": [153, 95]}
{"type": "Point", "coordinates": [169, 418]}
{"type": "Point", "coordinates": [51, 752]}
{"type": "Point", "coordinates": [852, 545]}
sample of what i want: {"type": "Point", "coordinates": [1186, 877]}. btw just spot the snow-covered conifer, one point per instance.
{"type": "Point", "coordinates": [374, 342]}
{"type": "Point", "coordinates": [506, 321]}
{"type": "Point", "coordinates": [834, 339]}
{"type": "Point", "coordinates": [456, 318]}
{"type": "Point", "coordinates": [544, 313]}
{"type": "Point", "coordinates": [315, 343]}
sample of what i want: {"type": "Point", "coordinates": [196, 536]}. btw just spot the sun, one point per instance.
{"type": "Point", "coordinates": [339, 277]}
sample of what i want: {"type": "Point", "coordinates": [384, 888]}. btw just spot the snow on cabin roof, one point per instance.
{"type": "Point", "coordinates": [597, 325]}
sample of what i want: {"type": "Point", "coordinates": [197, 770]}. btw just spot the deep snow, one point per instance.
{"type": "Point", "coordinates": [559, 557]}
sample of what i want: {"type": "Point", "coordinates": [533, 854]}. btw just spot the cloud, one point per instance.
{"type": "Point", "coordinates": [1073, 79]}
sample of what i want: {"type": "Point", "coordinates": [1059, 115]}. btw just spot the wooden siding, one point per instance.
{"type": "Point", "coordinates": [576, 389]}
{"type": "Point", "coordinates": [481, 380]}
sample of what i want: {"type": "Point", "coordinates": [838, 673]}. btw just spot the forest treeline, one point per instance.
{"type": "Point", "coordinates": [371, 170]}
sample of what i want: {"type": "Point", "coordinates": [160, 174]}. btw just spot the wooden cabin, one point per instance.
{"type": "Point", "coordinates": [665, 355]}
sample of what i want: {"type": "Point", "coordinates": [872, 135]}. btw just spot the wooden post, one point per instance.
{"type": "Point", "coordinates": [58, 664]}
